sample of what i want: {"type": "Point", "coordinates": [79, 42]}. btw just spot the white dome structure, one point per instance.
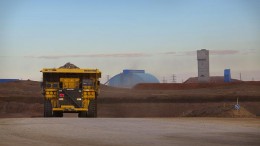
{"type": "Point", "coordinates": [130, 78]}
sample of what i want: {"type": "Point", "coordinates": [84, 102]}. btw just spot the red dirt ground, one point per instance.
{"type": "Point", "coordinates": [24, 99]}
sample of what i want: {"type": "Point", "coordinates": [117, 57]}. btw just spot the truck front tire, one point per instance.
{"type": "Point", "coordinates": [92, 108]}
{"type": "Point", "coordinates": [58, 114]}
{"type": "Point", "coordinates": [82, 114]}
{"type": "Point", "coordinates": [47, 108]}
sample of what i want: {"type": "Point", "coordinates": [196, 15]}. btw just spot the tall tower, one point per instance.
{"type": "Point", "coordinates": [203, 65]}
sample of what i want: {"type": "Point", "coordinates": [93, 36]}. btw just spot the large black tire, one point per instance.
{"type": "Point", "coordinates": [82, 114]}
{"type": "Point", "coordinates": [47, 108]}
{"type": "Point", "coordinates": [92, 108]}
{"type": "Point", "coordinates": [58, 114]}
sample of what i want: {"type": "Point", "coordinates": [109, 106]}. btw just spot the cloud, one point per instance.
{"type": "Point", "coordinates": [134, 55]}
{"type": "Point", "coordinates": [223, 52]}
{"type": "Point", "coordinates": [211, 52]}
{"type": "Point", "coordinates": [249, 51]}
{"type": "Point", "coordinates": [188, 53]}
{"type": "Point", "coordinates": [168, 53]}
{"type": "Point", "coordinates": [91, 55]}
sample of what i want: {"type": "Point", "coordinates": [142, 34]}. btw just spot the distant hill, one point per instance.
{"type": "Point", "coordinates": [213, 79]}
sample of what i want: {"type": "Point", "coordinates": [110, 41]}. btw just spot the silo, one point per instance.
{"type": "Point", "coordinates": [203, 65]}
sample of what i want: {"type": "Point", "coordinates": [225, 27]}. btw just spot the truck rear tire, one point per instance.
{"type": "Point", "coordinates": [47, 108]}
{"type": "Point", "coordinates": [58, 114]}
{"type": "Point", "coordinates": [92, 108]}
{"type": "Point", "coordinates": [82, 114]}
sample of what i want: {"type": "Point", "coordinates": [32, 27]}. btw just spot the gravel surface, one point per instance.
{"type": "Point", "coordinates": [130, 131]}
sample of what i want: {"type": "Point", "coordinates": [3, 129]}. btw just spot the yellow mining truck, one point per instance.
{"type": "Point", "coordinates": [69, 89]}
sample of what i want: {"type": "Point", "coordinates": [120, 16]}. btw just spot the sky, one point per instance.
{"type": "Point", "coordinates": [159, 36]}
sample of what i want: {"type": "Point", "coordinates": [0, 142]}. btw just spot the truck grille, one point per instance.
{"type": "Point", "coordinates": [70, 97]}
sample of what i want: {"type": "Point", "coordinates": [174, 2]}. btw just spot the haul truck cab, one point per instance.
{"type": "Point", "coordinates": [70, 90]}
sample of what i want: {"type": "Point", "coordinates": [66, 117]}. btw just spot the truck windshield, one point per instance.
{"type": "Point", "coordinates": [48, 85]}
{"type": "Point", "coordinates": [52, 85]}
{"type": "Point", "coordinates": [87, 82]}
{"type": "Point", "coordinates": [55, 85]}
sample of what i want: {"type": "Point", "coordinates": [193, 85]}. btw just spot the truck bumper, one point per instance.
{"type": "Point", "coordinates": [69, 108]}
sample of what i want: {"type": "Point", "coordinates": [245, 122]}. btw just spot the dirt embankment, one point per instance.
{"type": "Point", "coordinates": [185, 86]}
{"type": "Point", "coordinates": [24, 99]}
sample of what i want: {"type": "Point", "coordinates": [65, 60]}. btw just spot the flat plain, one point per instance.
{"type": "Point", "coordinates": [130, 131]}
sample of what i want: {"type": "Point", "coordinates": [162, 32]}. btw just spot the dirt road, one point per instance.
{"type": "Point", "coordinates": [130, 131]}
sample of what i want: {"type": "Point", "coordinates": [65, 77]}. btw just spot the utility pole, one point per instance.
{"type": "Point", "coordinates": [173, 78]}
{"type": "Point", "coordinates": [164, 80]}
{"type": "Point", "coordinates": [240, 77]}
{"type": "Point", "coordinates": [108, 78]}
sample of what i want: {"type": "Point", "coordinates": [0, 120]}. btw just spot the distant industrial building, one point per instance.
{"type": "Point", "coordinates": [130, 78]}
{"type": "Point", "coordinates": [8, 80]}
{"type": "Point", "coordinates": [227, 75]}
{"type": "Point", "coordinates": [203, 65]}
